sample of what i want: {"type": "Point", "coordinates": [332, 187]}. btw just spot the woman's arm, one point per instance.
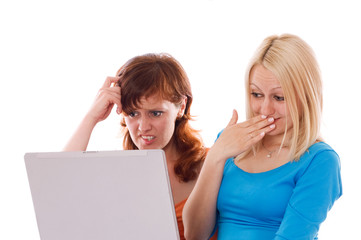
{"type": "Point", "coordinates": [199, 213]}
{"type": "Point", "coordinates": [100, 110]}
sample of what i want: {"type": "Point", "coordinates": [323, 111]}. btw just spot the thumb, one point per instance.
{"type": "Point", "coordinates": [234, 118]}
{"type": "Point", "coordinates": [119, 109]}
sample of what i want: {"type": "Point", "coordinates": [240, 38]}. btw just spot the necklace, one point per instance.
{"type": "Point", "coordinates": [269, 155]}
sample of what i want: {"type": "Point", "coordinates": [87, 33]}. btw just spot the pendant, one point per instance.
{"type": "Point", "coordinates": [269, 155]}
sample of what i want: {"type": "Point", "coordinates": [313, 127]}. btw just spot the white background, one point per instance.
{"type": "Point", "coordinates": [54, 56]}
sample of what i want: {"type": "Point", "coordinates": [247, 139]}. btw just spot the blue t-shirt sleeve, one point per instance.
{"type": "Point", "coordinates": [313, 196]}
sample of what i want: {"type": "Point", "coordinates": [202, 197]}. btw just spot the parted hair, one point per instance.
{"type": "Point", "coordinates": [162, 75]}
{"type": "Point", "coordinates": [294, 64]}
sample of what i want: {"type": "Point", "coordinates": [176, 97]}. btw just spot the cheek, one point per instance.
{"type": "Point", "coordinates": [255, 105]}
{"type": "Point", "coordinates": [167, 127]}
{"type": "Point", "coordinates": [131, 125]}
{"type": "Point", "coordinates": [282, 111]}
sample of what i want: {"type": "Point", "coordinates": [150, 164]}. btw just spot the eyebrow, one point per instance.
{"type": "Point", "coordinates": [153, 108]}
{"type": "Point", "coordinates": [260, 89]}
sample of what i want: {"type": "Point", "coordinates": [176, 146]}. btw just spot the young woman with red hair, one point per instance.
{"type": "Point", "coordinates": [153, 94]}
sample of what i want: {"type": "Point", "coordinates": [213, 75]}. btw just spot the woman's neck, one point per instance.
{"type": "Point", "coordinates": [276, 141]}
{"type": "Point", "coordinates": [171, 152]}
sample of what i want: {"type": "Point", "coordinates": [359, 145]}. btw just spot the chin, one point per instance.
{"type": "Point", "coordinates": [278, 131]}
{"type": "Point", "coordinates": [148, 147]}
{"type": "Point", "coordinates": [275, 132]}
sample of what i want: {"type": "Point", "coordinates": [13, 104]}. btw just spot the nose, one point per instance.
{"type": "Point", "coordinates": [267, 108]}
{"type": "Point", "coordinates": [144, 124]}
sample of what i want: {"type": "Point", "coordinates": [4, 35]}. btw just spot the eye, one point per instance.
{"type": "Point", "coordinates": [133, 114]}
{"type": "Point", "coordinates": [156, 113]}
{"type": "Point", "coordinates": [256, 95]}
{"type": "Point", "coordinates": [278, 98]}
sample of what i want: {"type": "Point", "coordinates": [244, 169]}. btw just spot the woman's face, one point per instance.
{"type": "Point", "coordinates": [267, 98]}
{"type": "Point", "coordinates": [152, 125]}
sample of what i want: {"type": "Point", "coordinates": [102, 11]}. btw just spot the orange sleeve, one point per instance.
{"type": "Point", "coordinates": [178, 211]}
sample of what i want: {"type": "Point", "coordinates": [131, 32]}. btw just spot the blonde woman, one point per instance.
{"type": "Point", "coordinates": [272, 176]}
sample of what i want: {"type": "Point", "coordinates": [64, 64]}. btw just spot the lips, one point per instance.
{"type": "Point", "coordinates": [148, 138]}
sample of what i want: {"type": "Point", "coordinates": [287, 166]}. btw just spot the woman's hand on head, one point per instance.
{"type": "Point", "coordinates": [107, 97]}
{"type": "Point", "coordinates": [239, 137]}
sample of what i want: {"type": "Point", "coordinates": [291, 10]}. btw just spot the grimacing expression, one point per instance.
{"type": "Point", "coordinates": [267, 98]}
{"type": "Point", "coordinates": [152, 125]}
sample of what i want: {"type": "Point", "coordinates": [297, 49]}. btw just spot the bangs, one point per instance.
{"type": "Point", "coordinates": [144, 82]}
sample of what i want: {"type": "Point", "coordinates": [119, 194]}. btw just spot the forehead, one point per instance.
{"type": "Point", "coordinates": [153, 102]}
{"type": "Point", "coordinates": [262, 77]}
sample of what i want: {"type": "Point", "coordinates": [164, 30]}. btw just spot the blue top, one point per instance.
{"type": "Point", "coordinates": [288, 202]}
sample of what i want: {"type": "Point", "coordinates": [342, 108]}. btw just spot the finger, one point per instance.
{"type": "Point", "coordinates": [119, 110]}
{"type": "Point", "coordinates": [115, 89]}
{"type": "Point", "coordinates": [109, 80]}
{"type": "Point", "coordinates": [256, 137]}
{"type": "Point", "coordinates": [234, 118]}
{"type": "Point", "coordinates": [263, 131]}
{"type": "Point", "coordinates": [261, 124]}
{"type": "Point", "coordinates": [254, 120]}
{"type": "Point", "coordinates": [115, 94]}
{"type": "Point", "coordinates": [115, 99]}
{"type": "Point", "coordinates": [109, 94]}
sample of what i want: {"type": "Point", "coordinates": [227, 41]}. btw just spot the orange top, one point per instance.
{"type": "Point", "coordinates": [178, 212]}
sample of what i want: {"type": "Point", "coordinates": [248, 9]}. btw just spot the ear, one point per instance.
{"type": "Point", "coordinates": [182, 108]}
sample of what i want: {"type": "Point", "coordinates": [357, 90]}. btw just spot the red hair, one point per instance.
{"type": "Point", "coordinates": [162, 75]}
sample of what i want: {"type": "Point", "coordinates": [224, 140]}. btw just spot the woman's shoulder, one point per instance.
{"type": "Point", "coordinates": [320, 149]}
{"type": "Point", "coordinates": [320, 167]}
{"type": "Point", "coordinates": [320, 154]}
{"type": "Point", "coordinates": [320, 146]}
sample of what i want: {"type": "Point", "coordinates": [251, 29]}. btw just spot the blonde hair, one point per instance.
{"type": "Point", "coordinates": [293, 63]}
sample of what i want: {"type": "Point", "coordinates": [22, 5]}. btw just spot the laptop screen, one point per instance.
{"type": "Point", "coordinates": [102, 195]}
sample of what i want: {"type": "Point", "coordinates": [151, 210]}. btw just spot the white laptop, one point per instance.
{"type": "Point", "coordinates": [102, 195]}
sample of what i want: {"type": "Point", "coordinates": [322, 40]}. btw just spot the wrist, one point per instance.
{"type": "Point", "coordinates": [89, 121]}
{"type": "Point", "coordinates": [217, 156]}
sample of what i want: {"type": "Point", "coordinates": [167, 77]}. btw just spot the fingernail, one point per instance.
{"type": "Point", "coordinates": [262, 134]}
{"type": "Point", "coordinates": [263, 116]}
{"type": "Point", "coordinates": [272, 126]}
{"type": "Point", "coordinates": [271, 119]}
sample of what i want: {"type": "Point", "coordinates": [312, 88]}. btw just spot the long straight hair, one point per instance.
{"type": "Point", "coordinates": [293, 63]}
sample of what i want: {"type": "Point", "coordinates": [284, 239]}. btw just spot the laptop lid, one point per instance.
{"type": "Point", "coordinates": [102, 195]}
